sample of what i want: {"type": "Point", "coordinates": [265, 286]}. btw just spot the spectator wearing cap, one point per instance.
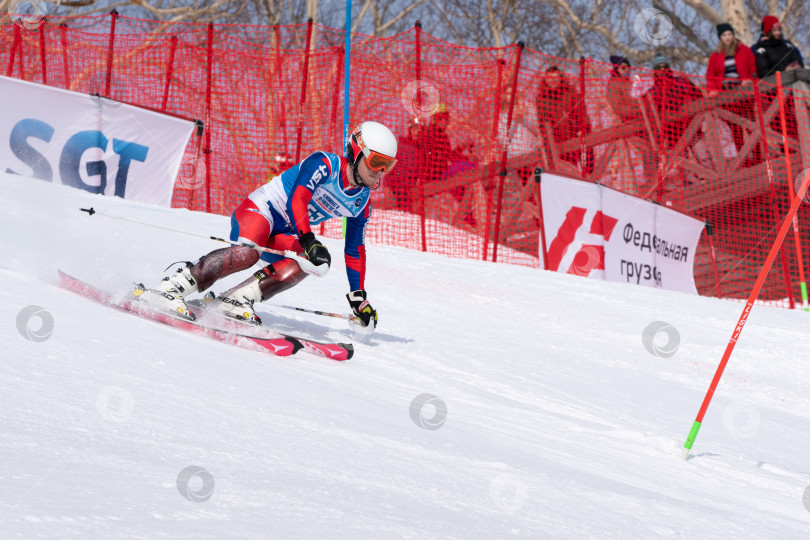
{"type": "Point", "coordinates": [731, 64]}
{"type": "Point", "coordinates": [438, 154]}
{"type": "Point", "coordinates": [401, 182]}
{"type": "Point", "coordinates": [435, 143]}
{"type": "Point", "coordinates": [560, 106]}
{"type": "Point", "coordinates": [774, 53]}
{"type": "Point", "coordinates": [618, 90]}
{"type": "Point", "coordinates": [670, 93]}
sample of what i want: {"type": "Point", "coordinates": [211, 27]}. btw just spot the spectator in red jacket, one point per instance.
{"type": "Point", "coordinates": [560, 106]}
{"type": "Point", "coordinates": [618, 90]}
{"type": "Point", "coordinates": [731, 64]}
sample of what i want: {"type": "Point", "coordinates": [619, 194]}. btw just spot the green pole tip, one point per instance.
{"type": "Point", "coordinates": [690, 439]}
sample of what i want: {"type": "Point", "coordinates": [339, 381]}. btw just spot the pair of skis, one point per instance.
{"type": "Point", "coordinates": [257, 339]}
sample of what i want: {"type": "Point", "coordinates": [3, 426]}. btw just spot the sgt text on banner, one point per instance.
{"type": "Point", "coordinates": [592, 230]}
{"type": "Point", "coordinates": [91, 143]}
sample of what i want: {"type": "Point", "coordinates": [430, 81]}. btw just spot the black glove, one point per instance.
{"type": "Point", "coordinates": [361, 307]}
{"type": "Point", "coordinates": [314, 250]}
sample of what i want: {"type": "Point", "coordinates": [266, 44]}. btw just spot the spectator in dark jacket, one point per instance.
{"type": "Point", "coordinates": [670, 93]}
{"type": "Point", "coordinates": [773, 52]}
{"type": "Point", "coordinates": [731, 64]}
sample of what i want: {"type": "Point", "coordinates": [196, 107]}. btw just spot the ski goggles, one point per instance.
{"type": "Point", "coordinates": [380, 162]}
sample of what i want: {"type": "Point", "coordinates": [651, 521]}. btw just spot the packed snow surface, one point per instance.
{"type": "Point", "coordinates": [493, 401]}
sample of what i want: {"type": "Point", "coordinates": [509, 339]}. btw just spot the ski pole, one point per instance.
{"type": "Point", "coordinates": [763, 273]}
{"type": "Point", "coordinates": [360, 332]}
{"type": "Point", "coordinates": [317, 312]}
{"type": "Point", "coordinates": [303, 262]}
{"type": "Point", "coordinates": [351, 318]}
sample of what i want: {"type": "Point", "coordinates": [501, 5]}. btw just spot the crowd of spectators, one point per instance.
{"type": "Point", "coordinates": [560, 121]}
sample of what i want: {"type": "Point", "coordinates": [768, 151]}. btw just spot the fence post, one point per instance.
{"type": "Point", "coordinates": [502, 172]}
{"type": "Point", "coordinates": [538, 172]}
{"type": "Point", "coordinates": [21, 56]}
{"type": "Point", "coordinates": [764, 141]}
{"type": "Point", "coordinates": [169, 69]}
{"type": "Point", "coordinates": [341, 54]}
{"type": "Point", "coordinates": [63, 40]}
{"type": "Point", "coordinates": [282, 109]}
{"type": "Point", "coordinates": [14, 45]}
{"type": "Point", "coordinates": [303, 92]}
{"type": "Point", "coordinates": [420, 180]}
{"type": "Point", "coordinates": [583, 155]}
{"type": "Point", "coordinates": [496, 121]}
{"type": "Point", "coordinates": [113, 18]}
{"type": "Point", "coordinates": [42, 54]}
{"type": "Point", "coordinates": [710, 234]}
{"type": "Point", "coordinates": [208, 125]}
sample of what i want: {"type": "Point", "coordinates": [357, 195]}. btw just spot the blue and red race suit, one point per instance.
{"type": "Point", "coordinates": [306, 194]}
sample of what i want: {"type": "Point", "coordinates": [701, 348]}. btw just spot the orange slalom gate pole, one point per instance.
{"type": "Point", "coordinates": [764, 142]}
{"type": "Point", "coordinates": [746, 311]}
{"type": "Point", "coordinates": [799, 258]}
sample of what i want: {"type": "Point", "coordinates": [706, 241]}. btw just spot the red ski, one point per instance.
{"type": "Point", "coordinates": [268, 341]}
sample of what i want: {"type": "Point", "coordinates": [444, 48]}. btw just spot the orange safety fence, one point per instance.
{"type": "Point", "coordinates": [472, 123]}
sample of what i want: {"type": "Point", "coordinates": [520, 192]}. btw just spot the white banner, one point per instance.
{"type": "Point", "coordinates": [569, 215]}
{"type": "Point", "coordinates": [91, 143]}
{"type": "Point", "coordinates": [596, 231]}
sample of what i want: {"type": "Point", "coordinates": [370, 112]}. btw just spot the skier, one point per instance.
{"type": "Point", "coordinates": [279, 216]}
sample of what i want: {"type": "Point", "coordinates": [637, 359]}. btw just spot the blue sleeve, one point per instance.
{"type": "Point", "coordinates": [355, 249]}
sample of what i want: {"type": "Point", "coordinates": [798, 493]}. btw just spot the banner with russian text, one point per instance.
{"type": "Point", "coordinates": [595, 231]}
{"type": "Point", "coordinates": [91, 143]}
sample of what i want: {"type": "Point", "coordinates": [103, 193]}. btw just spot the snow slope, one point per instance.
{"type": "Point", "coordinates": [546, 417]}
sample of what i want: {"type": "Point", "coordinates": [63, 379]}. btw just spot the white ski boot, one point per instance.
{"type": "Point", "coordinates": [169, 295]}
{"type": "Point", "coordinates": [237, 303]}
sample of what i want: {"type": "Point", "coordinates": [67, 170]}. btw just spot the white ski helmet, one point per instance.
{"type": "Point", "coordinates": [376, 143]}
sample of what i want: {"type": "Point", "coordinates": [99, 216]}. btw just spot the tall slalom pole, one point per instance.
{"type": "Point", "coordinates": [746, 311]}
{"type": "Point", "coordinates": [799, 258]}
{"type": "Point", "coordinates": [346, 78]}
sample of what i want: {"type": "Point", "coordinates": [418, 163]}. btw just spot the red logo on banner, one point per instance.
{"type": "Point", "coordinates": [590, 256]}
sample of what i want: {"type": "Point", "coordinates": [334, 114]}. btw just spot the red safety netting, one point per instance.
{"type": "Point", "coordinates": [473, 124]}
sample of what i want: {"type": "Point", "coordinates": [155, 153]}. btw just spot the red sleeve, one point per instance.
{"type": "Point", "coordinates": [312, 172]}
{"type": "Point", "coordinates": [715, 71]}
{"type": "Point", "coordinates": [299, 201]}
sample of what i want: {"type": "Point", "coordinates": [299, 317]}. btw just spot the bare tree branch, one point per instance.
{"type": "Point", "coordinates": [707, 11]}
{"type": "Point", "coordinates": [603, 31]}
{"type": "Point", "coordinates": [684, 28]}
{"type": "Point", "coordinates": [402, 14]}
{"type": "Point", "coordinates": [565, 28]}
{"type": "Point", "coordinates": [362, 14]}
